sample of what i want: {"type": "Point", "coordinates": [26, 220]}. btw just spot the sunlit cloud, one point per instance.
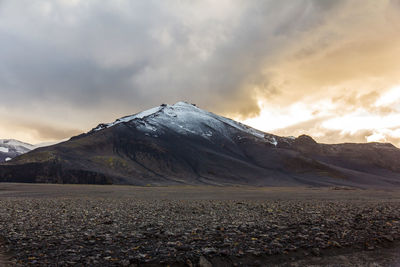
{"type": "Point", "coordinates": [389, 98]}
{"type": "Point", "coordinates": [321, 119]}
{"type": "Point", "coordinates": [272, 118]}
{"type": "Point", "coordinates": [330, 69]}
{"type": "Point", "coordinates": [357, 121]}
{"type": "Point", "coordinates": [385, 135]}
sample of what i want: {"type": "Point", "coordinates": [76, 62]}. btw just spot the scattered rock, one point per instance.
{"type": "Point", "coordinates": [388, 238]}
{"type": "Point", "coordinates": [203, 262]}
{"type": "Point", "coordinates": [123, 232]}
{"type": "Point", "coordinates": [315, 251]}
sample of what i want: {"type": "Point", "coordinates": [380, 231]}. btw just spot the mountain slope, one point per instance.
{"type": "Point", "coordinates": [182, 144]}
{"type": "Point", "coordinates": [10, 148]}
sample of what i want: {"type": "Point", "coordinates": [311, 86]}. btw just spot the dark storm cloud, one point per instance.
{"type": "Point", "coordinates": [48, 75]}
{"type": "Point", "coordinates": [88, 54]}
{"type": "Point", "coordinates": [71, 64]}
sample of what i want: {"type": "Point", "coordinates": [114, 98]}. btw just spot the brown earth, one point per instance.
{"type": "Point", "coordinates": [4, 257]}
{"type": "Point", "coordinates": [69, 225]}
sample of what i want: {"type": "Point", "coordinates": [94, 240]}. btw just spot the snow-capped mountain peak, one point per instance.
{"type": "Point", "coordinates": [16, 145]}
{"type": "Point", "coordinates": [183, 144]}
{"type": "Point", "coordinates": [10, 148]}
{"type": "Point", "coordinates": [188, 119]}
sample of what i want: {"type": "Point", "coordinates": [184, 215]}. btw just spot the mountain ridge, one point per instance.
{"type": "Point", "coordinates": [183, 144]}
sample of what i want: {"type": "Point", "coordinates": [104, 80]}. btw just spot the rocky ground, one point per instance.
{"type": "Point", "coordinates": [53, 225]}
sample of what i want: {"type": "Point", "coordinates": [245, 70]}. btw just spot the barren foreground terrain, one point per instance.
{"type": "Point", "coordinates": [75, 225]}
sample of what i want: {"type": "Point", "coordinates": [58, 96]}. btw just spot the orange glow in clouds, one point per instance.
{"type": "Point", "coordinates": [366, 124]}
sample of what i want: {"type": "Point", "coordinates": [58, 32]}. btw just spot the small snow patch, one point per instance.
{"type": "Point", "coordinates": [272, 140]}
{"type": "Point", "coordinates": [7, 159]}
{"type": "Point", "coordinates": [4, 149]}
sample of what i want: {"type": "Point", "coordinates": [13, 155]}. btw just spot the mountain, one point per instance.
{"type": "Point", "coordinates": [183, 144]}
{"type": "Point", "coordinates": [10, 148]}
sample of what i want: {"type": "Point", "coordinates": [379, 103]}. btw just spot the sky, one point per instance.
{"type": "Point", "coordinates": [326, 68]}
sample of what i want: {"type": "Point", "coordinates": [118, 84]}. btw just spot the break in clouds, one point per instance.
{"type": "Point", "coordinates": [298, 66]}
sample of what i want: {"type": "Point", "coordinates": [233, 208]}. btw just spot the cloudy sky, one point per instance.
{"type": "Point", "coordinates": [327, 68]}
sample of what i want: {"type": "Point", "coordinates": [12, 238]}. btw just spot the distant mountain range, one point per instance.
{"type": "Point", "coordinates": [10, 148]}
{"type": "Point", "coordinates": [183, 144]}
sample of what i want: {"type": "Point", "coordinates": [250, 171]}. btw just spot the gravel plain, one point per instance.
{"type": "Point", "coordinates": [83, 225]}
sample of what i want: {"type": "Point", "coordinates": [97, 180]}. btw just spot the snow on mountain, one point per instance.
{"type": "Point", "coordinates": [16, 145]}
{"type": "Point", "coordinates": [188, 119]}
{"type": "Point", "coordinates": [10, 148]}
{"type": "Point", "coordinates": [183, 144]}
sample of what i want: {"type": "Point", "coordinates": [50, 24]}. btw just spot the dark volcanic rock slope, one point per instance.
{"type": "Point", "coordinates": [182, 144]}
